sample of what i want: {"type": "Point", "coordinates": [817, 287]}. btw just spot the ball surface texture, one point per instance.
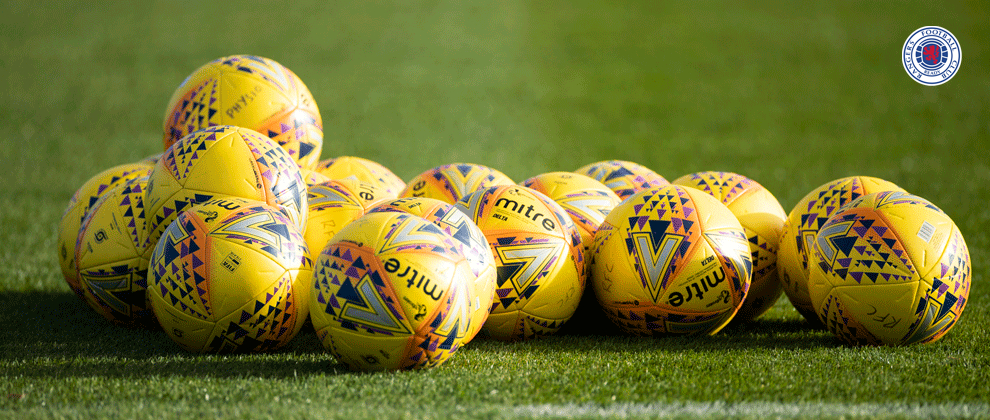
{"type": "Point", "coordinates": [449, 183]}
{"type": "Point", "coordinates": [539, 261]}
{"type": "Point", "coordinates": [762, 219]}
{"type": "Point", "coordinates": [890, 268]}
{"type": "Point", "coordinates": [671, 260]}
{"type": "Point", "coordinates": [390, 291]}
{"type": "Point", "coordinates": [222, 161]}
{"type": "Point", "coordinates": [252, 92]}
{"type": "Point", "coordinates": [230, 275]}
{"type": "Point", "coordinates": [803, 223]}
{"type": "Point", "coordinates": [623, 177]}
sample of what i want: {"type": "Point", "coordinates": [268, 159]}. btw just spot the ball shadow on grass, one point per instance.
{"type": "Point", "coordinates": [55, 334]}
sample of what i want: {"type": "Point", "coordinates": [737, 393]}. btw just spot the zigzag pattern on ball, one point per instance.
{"type": "Point", "coordinates": [470, 239]}
{"type": "Point", "coordinates": [725, 186]}
{"type": "Point", "coordinates": [566, 224]}
{"type": "Point", "coordinates": [433, 348]}
{"type": "Point", "coordinates": [867, 251]}
{"type": "Point", "coordinates": [602, 235]}
{"type": "Point", "coordinates": [261, 325]}
{"type": "Point", "coordinates": [475, 207]}
{"type": "Point", "coordinates": [661, 215]}
{"type": "Point", "coordinates": [395, 239]}
{"type": "Point", "coordinates": [534, 327]}
{"type": "Point", "coordinates": [738, 268]}
{"type": "Point", "coordinates": [890, 198]}
{"type": "Point", "coordinates": [580, 217]}
{"type": "Point", "coordinates": [280, 242]}
{"type": "Point", "coordinates": [331, 195]}
{"type": "Point", "coordinates": [181, 157]}
{"type": "Point", "coordinates": [198, 109]}
{"type": "Point", "coordinates": [267, 70]}
{"type": "Point", "coordinates": [174, 206]}
{"type": "Point", "coordinates": [299, 133]}
{"type": "Point", "coordinates": [940, 307]}
{"type": "Point", "coordinates": [336, 290]}
{"type": "Point", "coordinates": [763, 254]}
{"type": "Point", "coordinates": [507, 291]}
{"type": "Point", "coordinates": [814, 216]}
{"type": "Point", "coordinates": [460, 182]}
{"type": "Point", "coordinates": [118, 289]}
{"type": "Point", "coordinates": [624, 178]}
{"type": "Point", "coordinates": [275, 163]}
{"type": "Point", "coordinates": [956, 266]}
{"type": "Point", "coordinates": [280, 172]}
{"type": "Point", "coordinates": [103, 187]}
{"type": "Point", "coordinates": [183, 246]}
{"type": "Point", "coordinates": [132, 197]}
{"type": "Point", "coordinates": [845, 327]}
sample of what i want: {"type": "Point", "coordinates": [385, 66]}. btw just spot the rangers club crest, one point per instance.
{"type": "Point", "coordinates": [931, 55]}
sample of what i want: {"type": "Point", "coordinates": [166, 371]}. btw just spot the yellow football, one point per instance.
{"type": "Point", "coordinates": [539, 262]}
{"type": "Point", "coordinates": [803, 223]}
{"type": "Point", "coordinates": [230, 275]}
{"type": "Point", "coordinates": [762, 219]}
{"type": "Point", "coordinates": [78, 208]}
{"type": "Point", "coordinates": [391, 291]}
{"type": "Point", "coordinates": [468, 238]}
{"type": "Point", "coordinates": [671, 260]}
{"type": "Point", "coordinates": [623, 177]}
{"type": "Point", "coordinates": [251, 92]}
{"type": "Point", "coordinates": [889, 268]}
{"type": "Point", "coordinates": [449, 183]}
{"type": "Point", "coordinates": [363, 170]}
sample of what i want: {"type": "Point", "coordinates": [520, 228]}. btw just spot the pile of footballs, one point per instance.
{"type": "Point", "coordinates": [237, 234]}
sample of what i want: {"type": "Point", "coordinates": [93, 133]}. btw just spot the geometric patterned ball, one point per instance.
{"type": "Point", "coordinates": [332, 205]}
{"type": "Point", "coordinates": [625, 178]}
{"type": "Point", "coordinates": [671, 260]}
{"type": "Point", "coordinates": [450, 183]}
{"type": "Point", "coordinates": [469, 240]}
{"type": "Point", "coordinates": [251, 92]}
{"type": "Point", "coordinates": [391, 291]}
{"type": "Point", "coordinates": [585, 200]}
{"type": "Point", "coordinates": [538, 256]}
{"type": "Point", "coordinates": [80, 203]}
{"type": "Point", "coordinates": [230, 275]}
{"type": "Point", "coordinates": [110, 256]}
{"type": "Point", "coordinates": [762, 219]}
{"type": "Point", "coordinates": [222, 161]}
{"type": "Point", "coordinates": [803, 223]}
{"type": "Point", "coordinates": [889, 268]}
{"type": "Point", "coordinates": [363, 170]}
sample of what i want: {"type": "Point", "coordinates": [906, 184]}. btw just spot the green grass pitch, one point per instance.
{"type": "Point", "coordinates": [792, 94]}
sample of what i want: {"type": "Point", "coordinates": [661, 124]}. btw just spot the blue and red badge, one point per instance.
{"type": "Point", "coordinates": [931, 55]}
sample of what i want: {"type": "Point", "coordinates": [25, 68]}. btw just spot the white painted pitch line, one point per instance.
{"type": "Point", "coordinates": [755, 409]}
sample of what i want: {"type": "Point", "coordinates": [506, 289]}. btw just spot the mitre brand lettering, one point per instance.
{"type": "Point", "coordinates": [414, 279]}
{"type": "Point", "coordinates": [526, 211]}
{"type": "Point", "coordinates": [698, 288]}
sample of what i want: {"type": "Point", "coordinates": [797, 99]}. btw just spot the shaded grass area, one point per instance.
{"type": "Point", "coordinates": [68, 360]}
